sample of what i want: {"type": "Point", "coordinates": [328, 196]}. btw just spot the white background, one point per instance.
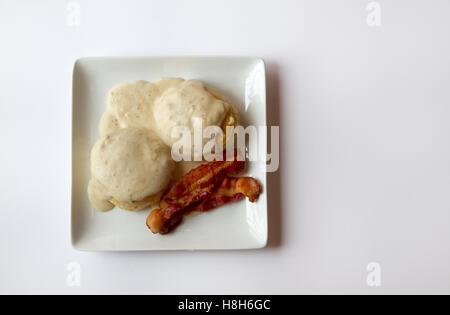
{"type": "Point", "coordinates": [365, 149]}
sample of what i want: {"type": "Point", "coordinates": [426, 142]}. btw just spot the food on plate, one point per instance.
{"type": "Point", "coordinates": [157, 107]}
{"type": "Point", "coordinates": [181, 104]}
{"type": "Point", "coordinates": [130, 168]}
{"type": "Point", "coordinates": [161, 105]}
{"type": "Point", "coordinates": [202, 189]}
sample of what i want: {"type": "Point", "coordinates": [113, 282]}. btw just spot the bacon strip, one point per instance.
{"type": "Point", "coordinates": [231, 190]}
{"type": "Point", "coordinates": [204, 188]}
{"type": "Point", "coordinates": [199, 183]}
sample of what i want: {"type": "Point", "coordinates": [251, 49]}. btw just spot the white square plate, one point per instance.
{"type": "Point", "coordinates": [241, 225]}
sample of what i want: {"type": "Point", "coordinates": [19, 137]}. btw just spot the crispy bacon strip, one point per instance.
{"type": "Point", "coordinates": [199, 183]}
{"type": "Point", "coordinates": [204, 188]}
{"type": "Point", "coordinates": [231, 189]}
